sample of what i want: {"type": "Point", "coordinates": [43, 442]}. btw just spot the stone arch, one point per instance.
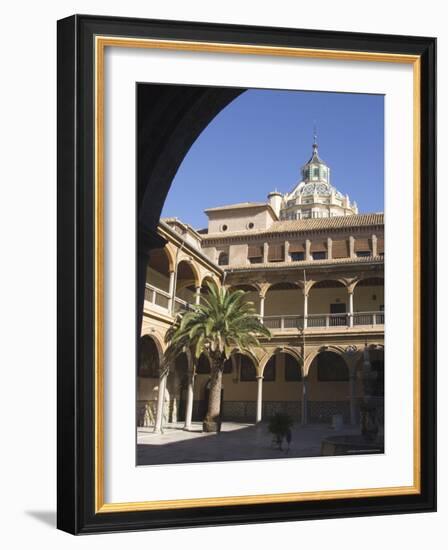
{"type": "Point", "coordinates": [338, 350]}
{"type": "Point", "coordinates": [209, 277]}
{"type": "Point", "coordinates": [246, 353]}
{"type": "Point", "coordinates": [377, 279]}
{"type": "Point", "coordinates": [320, 283]}
{"type": "Point", "coordinates": [368, 295]}
{"type": "Point", "coordinates": [283, 298]}
{"type": "Point", "coordinates": [327, 297]}
{"type": "Point", "coordinates": [158, 269]}
{"type": "Point", "coordinates": [170, 120]}
{"type": "Point", "coordinates": [287, 350]}
{"type": "Point", "coordinates": [150, 350]}
{"type": "Point", "coordinates": [193, 267]}
{"type": "Point", "coordinates": [252, 290]}
{"type": "Point", "coordinates": [171, 253]}
{"type": "Point", "coordinates": [328, 387]}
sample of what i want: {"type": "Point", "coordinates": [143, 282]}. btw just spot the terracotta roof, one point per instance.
{"type": "Point", "coordinates": [237, 205]}
{"type": "Point", "coordinates": [355, 220]}
{"type": "Point", "coordinates": [312, 224]}
{"type": "Point", "coordinates": [302, 264]}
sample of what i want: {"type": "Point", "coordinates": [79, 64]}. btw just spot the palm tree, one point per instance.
{"type": "Point", "coordinates": [223, 322]}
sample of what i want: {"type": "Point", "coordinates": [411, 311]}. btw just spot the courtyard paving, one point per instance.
{"type": "Point", "coordinates": [236, 441]}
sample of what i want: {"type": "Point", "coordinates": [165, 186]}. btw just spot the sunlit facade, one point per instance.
{"type": "Point", "coordinates": [314, 269]}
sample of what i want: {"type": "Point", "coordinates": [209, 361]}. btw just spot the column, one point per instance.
{"type": "Point", "coordinates": [352, 397]}
{"type": "Point", "coordinates": [305, 308]}
{"type": "Point", "coordinates": [352, 247]}
{"type": "Point", "coordinates": [261, 306]}
{"type": "Point", "coordinates": [160, 402]}
{"type": "Point", "coordinates": [259, 398]}
{"type": "Point", "coordinates": [350, 307]}
{"type": "Point", "coordinates": [305, 400]}
{"type": "Point", "coordinates": [329, 248]}
{"type": "Point", "coordinates": [374, 246]}
{"type": "Point", "coordinates": [171, 292]}
{"type": "Point", "coordinates": [197, 297]}
{"type": "Point", "coordinates": [307, 250]}
{"type": "Point", "coordinates": [189, 405]}
{"type": "Point", "coordinates": [265, 253]}
{"type": "Point", "coordinates": [287, 258]}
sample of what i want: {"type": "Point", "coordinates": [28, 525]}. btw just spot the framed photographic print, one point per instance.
{"type": "Point", "coordinates": [246, 274]}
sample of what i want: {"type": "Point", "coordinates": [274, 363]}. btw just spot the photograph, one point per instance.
{"type": "Point", "coordinates": [261, 332]}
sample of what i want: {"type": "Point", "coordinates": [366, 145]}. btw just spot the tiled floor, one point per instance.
{"type": "Point", "coordinates": [235, 442]}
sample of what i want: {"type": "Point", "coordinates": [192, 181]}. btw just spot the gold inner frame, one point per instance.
{"type": "Point", "coordinates": [101, 42]}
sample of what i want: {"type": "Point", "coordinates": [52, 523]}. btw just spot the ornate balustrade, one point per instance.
{"type": "Point", "coordinates": [279, 323]}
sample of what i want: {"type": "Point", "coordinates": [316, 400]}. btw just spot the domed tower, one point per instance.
{"type": "Point", "coordinates": [314, 196]}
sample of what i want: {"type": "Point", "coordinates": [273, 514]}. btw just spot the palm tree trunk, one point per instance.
{"type": "Point", "coordinates": [212, 421]}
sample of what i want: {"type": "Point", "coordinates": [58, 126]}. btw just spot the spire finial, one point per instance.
{"type": "Point", "coordinates": [315, 136]}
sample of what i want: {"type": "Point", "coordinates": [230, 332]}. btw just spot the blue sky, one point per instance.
{"type": "Point", "coordinates": [260, 141]}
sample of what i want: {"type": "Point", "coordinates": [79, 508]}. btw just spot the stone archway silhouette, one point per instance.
{"type": "Point", "coordinates": [169, 120]}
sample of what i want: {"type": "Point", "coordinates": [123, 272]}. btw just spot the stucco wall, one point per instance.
{"type": "Point", "coordinates": [237, 220]}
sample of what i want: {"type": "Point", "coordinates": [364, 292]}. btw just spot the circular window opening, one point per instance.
{"type": "Point", "coordinates": [224, 227]}
{"type": "Point", "coordinates": [250, 225]}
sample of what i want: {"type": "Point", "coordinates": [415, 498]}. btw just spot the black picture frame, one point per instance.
{"type": "Point", "coordinates": [76, 511]}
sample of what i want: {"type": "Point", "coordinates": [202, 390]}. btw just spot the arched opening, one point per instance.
{"type": "Point", "coordinates": [186, 283]}
{"type": "Point", "coordinates": [157, 289]}
{"type": "Point", "coordinates": [368, 302]}
{"type": "Point", "coordinates": [204, 286]}
{"type": "Point", "coordinates": [327, 304]}
{"type": "Point", "coordinates": [282, 385]}
{"type": "Point", "coordinates": [239, 389]}
{"type": "Point", "coordinates": [148, 370]}
{"type": "Point", "coordinates": [170, 118]}
{"type": "Point", "coordinates": [251, 294]}
{"type": "Point", "coordinates": [328, 384]}
{"type": "Point", "coordinates": [283, 306]}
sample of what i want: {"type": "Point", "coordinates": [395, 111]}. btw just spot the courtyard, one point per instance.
{"type": "Point", "coordinates": [236, 441]}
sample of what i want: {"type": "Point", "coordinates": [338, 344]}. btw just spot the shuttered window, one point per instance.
{"type": "Point", "coordinates": [318, 246]}
{"type": "Point", "coordinates": [340, 249]}
{"type": "Point", "coordinates": [296, 247]}
{"type": "Point", "coordinates": [276, 253]}
{"type": "Point", "coordinates": [362, 244]}
{"type": "Point", "coordinates": [255, 251]}
{"type": "Point", "coordinates": [380, 245]}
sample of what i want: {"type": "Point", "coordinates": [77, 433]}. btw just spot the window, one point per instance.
{"type": "Point", "coordinates": [223, 258]}
{"type": "Point", "coordinates": [250, 225]}
{"type": "Point", "coordinates": [227, 366]}
{"type": "Point", "coordinates": [248, 372]}
{"type": "Point", "coordinates": [276, 253]}
{"type": "Point", "coordinates": [255, 254]}
{"type": "Point", "coordinates": [363, 254]}
{"type": "Point", "coordinates": [297, 256]}
{"type": "Point", "coordinates": [316, 172]}
{"type": "Point", "coordinates": [331, 368]}
{"type": "Point", "coordinates": [293, 372]}
{"type": "Point", "coordinates": [149, 358]}
{"type": "Point", "coordinates": [269, 370]}
{"type": "Point", "coordinates": [224, 227]}
{"type": "Point", "coordinates": [319, 255]}
{"type": "Point", "coordinates": [256, 260]}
